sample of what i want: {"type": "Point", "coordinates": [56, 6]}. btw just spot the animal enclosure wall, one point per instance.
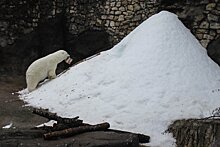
{"type": "Point", "coordinates": [30, 29]}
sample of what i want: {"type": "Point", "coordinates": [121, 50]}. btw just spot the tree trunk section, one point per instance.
{"type": "Point", "coordinates": [196, 133]}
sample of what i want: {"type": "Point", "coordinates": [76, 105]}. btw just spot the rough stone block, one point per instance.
{"type": "Point", "coordinates": [118, 4]}
{"type": "Point", "coordinates": [124, 3]}
{"type": "Point", "coordinates": [208, 37]}
{"type": "Point", "coordinates": [107, 7]}
{"type": "Point", "coordinates": [212, 17]}
{"type": "Point", "coordinates": [121, 33]}
{"type": "Point", "coordinates": [117, 12]}
{"type": "Point", "coordinates": [212, 32]}
{"type": "Point", "coordinates": [112, 12]}
{"type": "Point", "coordinates": [103, 17]}
{"type": "Point", "coordinates": [204, 43]}
{"type": "Point", "coordinates": [72, 11]}
{"type": "Point", "coordinates": [199, 17]}
{"type": "Point", "coordinates": [92, 22]}
{"type": "Point", "coordinates": [112, 4]}
{"type": "Point", "coordinates": [111, 17]}
{"type": "Point", "coordinates": [130, 7]}
{"type": "Point", "coordinates": [215, 25]}
{"type": "Point", "coordinates": [121, 18]}
{"type": "Point", "coordinates": [137, 6]}
{"type": "Point", "coordinates": [216, 12]}
{"type": "Point", "coordinates": [201, 31]}
{"type": "Point", "coordinates": [107, 23]}
{"type": "Point", "coordinates": [199, 36]}
{"type": "Point", "coordinates": [142, 5]}
{"type": "Point", "coordinates": [117, 24]}
{"type": "Point", "coordinates": [99, 21]}
{"type": "Point", "coordinates": [122, 9]}
{"type": "Point", "coordinates": [114, 8]}
{"type": "Point", "coordinates": [204, 25]}
{"type": "Point", "coordinates": [137, 18]}
{"type": "Point", "coordinates": [210, 6]}
{"type": "Point", "coordinates": [107, 3]}
{"type": "Point", "coordinates": [112, 23]}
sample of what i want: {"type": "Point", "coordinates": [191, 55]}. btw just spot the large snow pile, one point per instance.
{"type": "Point", "coordinates": [157, 74]}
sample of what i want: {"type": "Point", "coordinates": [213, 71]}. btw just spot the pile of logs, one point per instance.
{"type": "Point", "coordinates": [66, 127]}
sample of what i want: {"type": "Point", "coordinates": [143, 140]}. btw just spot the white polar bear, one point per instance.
{"type": "Point", "coordinates": [45, 67]}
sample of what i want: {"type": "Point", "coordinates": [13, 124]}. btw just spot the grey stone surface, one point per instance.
{"type": "Point", "coordinates": [27, 138]}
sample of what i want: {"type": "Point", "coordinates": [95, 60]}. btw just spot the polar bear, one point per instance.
{"type": "Point", "coordinates": [45, 67]}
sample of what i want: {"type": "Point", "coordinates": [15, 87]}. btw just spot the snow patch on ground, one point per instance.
{"type": "Point", "coordinates": [158, 73]}
{"type": "Point", "coordinates": [48, 124]}
{"type": "Point", "coordinates": [8, 126]}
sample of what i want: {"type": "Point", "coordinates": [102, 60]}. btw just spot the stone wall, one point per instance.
{"type": "Point", "coordinates": [117, 17]}
{"type": "Point", "coordinates": [69, 19]}
{"type": "Point", "coordinates": [20, 17]}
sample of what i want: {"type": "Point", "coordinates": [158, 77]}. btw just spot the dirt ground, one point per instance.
{"type": "Point", "coordinates": [12, 109]}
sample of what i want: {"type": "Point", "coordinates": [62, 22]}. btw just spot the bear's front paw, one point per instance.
{"type": "Point", "coordinates": [52, 77]}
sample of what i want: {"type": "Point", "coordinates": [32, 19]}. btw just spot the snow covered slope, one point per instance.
{"type": "Point", "coordinates": [156, 74]}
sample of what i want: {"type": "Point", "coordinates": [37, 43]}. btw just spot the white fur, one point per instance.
{"type": "Point", "coordinates": [43, 68]}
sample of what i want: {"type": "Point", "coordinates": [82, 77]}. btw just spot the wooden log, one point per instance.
{"type": "Point", "coordinates": [76, 130]}
{"type": "Point", "coordinates": [53, 116]}
{"type": "Point", "coordinates": [141, 137]}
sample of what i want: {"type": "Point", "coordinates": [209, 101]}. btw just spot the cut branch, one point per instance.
{"type": "Point", "coordinates": [76, 130]}
{"type": "Point", "coordinates": [53, 116]}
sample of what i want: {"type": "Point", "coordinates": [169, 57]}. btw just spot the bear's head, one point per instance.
{"type": "Point", "coordinates": [63, 55]}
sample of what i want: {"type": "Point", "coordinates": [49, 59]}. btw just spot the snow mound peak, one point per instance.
{"type": "Point", "coordinates": [156, 74]}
